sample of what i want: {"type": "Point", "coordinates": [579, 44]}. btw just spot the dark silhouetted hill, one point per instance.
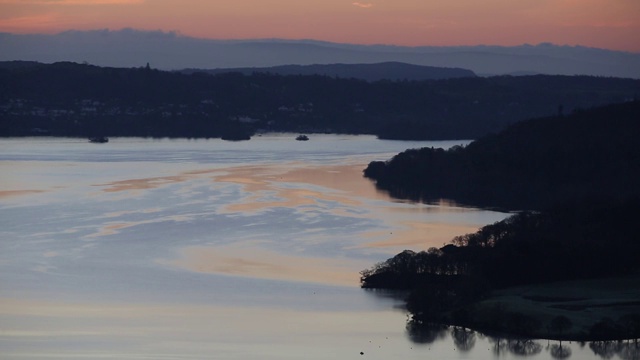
{"type": "Point", "coordinates": [369, 72]}
{"type": "Point", "coordinates": [70, 99]}
{"type": "Point", "coordinates": [535, 164]}
{"type": "Point", "coordinates": [575, 241]}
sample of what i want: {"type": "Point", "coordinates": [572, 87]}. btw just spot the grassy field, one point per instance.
{"type": "Point", "coordinates": [584, 302]}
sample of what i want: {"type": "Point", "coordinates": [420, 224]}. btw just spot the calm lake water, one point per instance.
{"type": "Point", "coordinates": [207, 249]}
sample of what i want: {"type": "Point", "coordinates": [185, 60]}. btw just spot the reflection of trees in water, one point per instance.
{"type": "Point", "coordinates": [608, 349]}
{"type": "Point", "coordinates": [463, 338]}
{"type": "Point", "coordinates": [627, 327]}
{"type": "Point", "coordinates": [630, 351]}
{"type": "Point", "coordinates": [604, 349]}
{"type": "Point", "coordinates": [499, 345]}
{"type": "Point", "coordinates": [560, 352]}
{"type": "Point", "coordinates": [398, 297]}
{"type": "Point", "coordinates": [425, 333]}
{"type": "Point", "coordinates": [524, 347]}
{"type": "Point", "coordinates": [521, 347]}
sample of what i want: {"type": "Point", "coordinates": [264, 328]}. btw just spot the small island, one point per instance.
{"type": "Point", "coordinates": [567, 267]}
{"type": "Point", "coordinates": [99, 139]}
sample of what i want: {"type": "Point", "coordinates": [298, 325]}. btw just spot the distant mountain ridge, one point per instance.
{"type": "Point", "coordinates": [370, 72]}
{"type": "Point", "coordinates": [171, 51]}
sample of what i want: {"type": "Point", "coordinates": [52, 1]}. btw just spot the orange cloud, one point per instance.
{"type": "Point", "coordinates": [362, 5]}
{"type": "Point", "coordinates": [71, 2]}
{"type": "Point", "coordinates": [42, 22]}
{"type": "Point", "coordinates": [609, 24]}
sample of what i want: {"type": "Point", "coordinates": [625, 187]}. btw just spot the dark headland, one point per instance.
{"type": "Point", "coordinates": [566, 265]}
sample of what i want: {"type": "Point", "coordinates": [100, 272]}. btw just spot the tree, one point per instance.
{"type": "Point", "coordinates": [559, 325]}
{"type": "Point", "coordinates": [631, 326]}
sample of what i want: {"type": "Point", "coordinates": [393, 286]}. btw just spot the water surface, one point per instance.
{"type": "Point", "coordinates": [192, 249]}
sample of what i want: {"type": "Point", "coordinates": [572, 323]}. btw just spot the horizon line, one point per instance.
{"type": "Point", "coordinates": [179, 34]}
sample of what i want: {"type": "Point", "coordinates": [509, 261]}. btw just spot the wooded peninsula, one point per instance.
{"type": "Point", "coordinates": [577, 179]}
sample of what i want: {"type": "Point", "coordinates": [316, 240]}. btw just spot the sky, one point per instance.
{"type": "Point", "coordinates": [609, 24]}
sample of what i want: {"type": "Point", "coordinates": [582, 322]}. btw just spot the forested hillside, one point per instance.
{"type": "Point", "coordinates": [369, 72]}
{"type": "Point", "coordinates": [531, 165]}
{"type": "Point", "coordinates": [577, 240]}
{"type": "Point", "coordinates": [69, 99]}
{"type": "Point", "coordinates": [580, 173]}
{"type": "Point", "coordinates": [572, 242]}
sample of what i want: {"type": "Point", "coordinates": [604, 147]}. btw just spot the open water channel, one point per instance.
{"type": "Point", "coordinates": [207, 249]}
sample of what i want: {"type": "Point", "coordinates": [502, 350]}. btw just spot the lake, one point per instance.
{"type": "Point", "coordinates": [208, 249]}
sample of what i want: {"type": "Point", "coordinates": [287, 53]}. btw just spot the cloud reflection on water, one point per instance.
{"type": "Point", "coordinates": [236, 251]}
{"type": "Point", "coordinates": [14, 193]}
{"type": "Point", "coordinates": [314, 190]}
{"type": "Point", "coordinates": [415, 234]}
{"type": "Point", "coordinates": [174, 331]}
{"type": "Point", "coordinates": [266, 264]}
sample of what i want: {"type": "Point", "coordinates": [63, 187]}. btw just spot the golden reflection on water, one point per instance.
{"type": "Point", "coordinates": [16, 193]}
{"type": "Point", "coordinates": [262, 181]}
{"type": "Point", "coordinates": [421, 236]}
{"type": "Point", "coordinates": [256, 331]}
{"type": "Point", "coordinates": [142, 184]}
{"type": "Point", "coordinates": [291, 185]}
{"type": "Point", "coordinates": [266, 264]}
{"type": "Point", "coordinates": [342, 184]}
{"type": "Point", "coordinates": [117, 214]}
{"type": "Point", "coordinates": [297, 185]}
{"type": "Point", "coordinates": [113, 228]}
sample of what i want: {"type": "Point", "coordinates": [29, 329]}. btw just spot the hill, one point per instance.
{"type": "Point", "coordinates": [519, 276]}
{"type": "Point", "coordinates": [172, 51]}
{"type": "Point", "coordinates": [580, 174]}
{"type": "Point", "coordinates": [70, 99]}
{"type": "Point", "coordinates": [369, 72]}
{"type": "Point", "coordinates": [531, 165]}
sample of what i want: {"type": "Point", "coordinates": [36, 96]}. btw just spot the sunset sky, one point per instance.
{"type": "Point", "coordinates": [611, 24]}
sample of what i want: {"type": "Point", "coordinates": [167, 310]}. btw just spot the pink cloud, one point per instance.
{"type": "Point", "coordinates": [36, 22]}
{"type": "Point", "coordinates": [362, 5]}
{"type": "Point", "coordinates": [70, 2]}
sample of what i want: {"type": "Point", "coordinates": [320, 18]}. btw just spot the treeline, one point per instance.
{"type": "Point", "coordinates": [369, 72]}
{"type": "Point", "coordinates": [580, 240]}
{"type": "Point", "coordinates": [69, 99]}
{"type": "Point", "coordinates": [531, 165]}
{"type": "Point", "coordinates": [577, 240]}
